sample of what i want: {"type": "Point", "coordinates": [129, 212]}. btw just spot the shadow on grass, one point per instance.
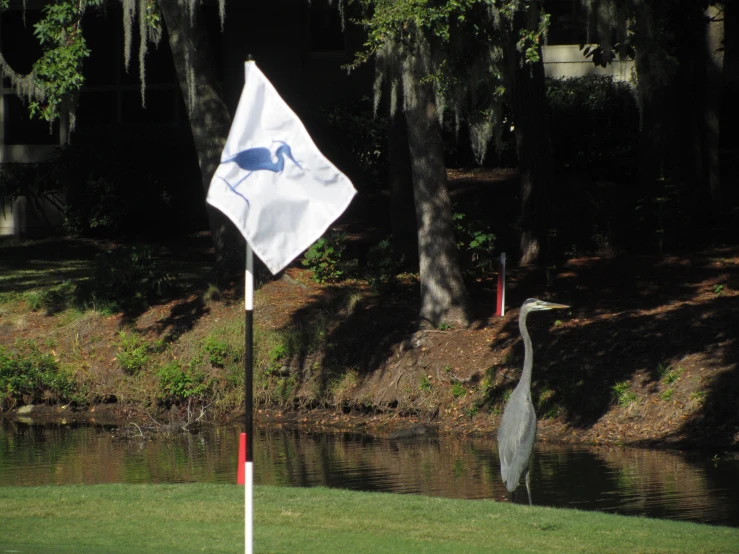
{"type": "Point", "coordinates": [58, 273]}
{"type": "Point", "coordinates": [32, 264]}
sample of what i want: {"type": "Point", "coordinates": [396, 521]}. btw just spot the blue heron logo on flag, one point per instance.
{"type": "Point", "coordinates": [258, 159]}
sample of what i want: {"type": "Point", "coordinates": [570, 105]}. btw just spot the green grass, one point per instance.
{"type": "Point", "coordinates": [209, 518]}
{"type": "Point", "coordinates": [622, 393]}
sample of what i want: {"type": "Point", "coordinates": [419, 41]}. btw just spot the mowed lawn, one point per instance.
{"type": "Point", "coordinates": [209, 518]}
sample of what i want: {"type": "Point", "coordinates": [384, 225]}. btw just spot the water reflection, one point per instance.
{"type": "Point", "coordinates": [665, 484]}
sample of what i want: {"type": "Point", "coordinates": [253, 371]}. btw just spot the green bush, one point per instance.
{"type": "Point", "coordinates": [382, 267]}
{"type": "Point", "coordinates": [32, 180]}
{"type": "Point", "coordinates": [102, 209]}
{"type": "Point", "coordinates": [276, 355]}
{"type": "Point", "coordinates": [134, 353]}
{"type": "Point", "coordinates": [325, 258]}
{"type": "Point", "coordinates": [328, 259]}
{"type": "Point", "coordinates": [218, 351]}
{"type": "Point", "coordinates": [29, 376]}
{"type": "Point", "coordinates": [37, 182]}
{"type": "Point", "coordinates": [623, 394]}
{"type": "Point", "coordinates": [127, 277]}
{"type": "Point", "coordinates": [475, 242]}
{"type": "Point", "coordinates": [178, 382]}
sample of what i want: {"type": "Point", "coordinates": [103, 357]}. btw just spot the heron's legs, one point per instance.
{"type": "Point", "coordinates": [233, 188]}
{"type": "Point", "coordinates": [528, 488]}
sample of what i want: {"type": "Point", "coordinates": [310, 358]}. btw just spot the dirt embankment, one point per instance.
{"type": "Point", "coordinates": [646, 355]}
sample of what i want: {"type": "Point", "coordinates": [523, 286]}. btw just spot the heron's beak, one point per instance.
{"type": "Point", "coordinates": [553, 306]}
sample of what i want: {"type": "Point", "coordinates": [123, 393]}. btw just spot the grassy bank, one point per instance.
{"type": "Point", "coordinates": [209, 518]}
{"type": "Point", "coordinates": [147, 329]}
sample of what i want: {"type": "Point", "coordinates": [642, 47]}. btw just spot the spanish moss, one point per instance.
{"type": "Point", "coordinates": [24, 86]}
{"type": "Point", "coordinates": [129, 15]}
{"type": "Point", "coordinates": [190, 79]}
{"type": "Point", "coordinates": [222, 13]}
{"type": "Point", "coordinates": [465, 89]}
{"type": "Point", "coordinates": [143, 35]}
{"type": "Point", "coordinates": [191, 7]}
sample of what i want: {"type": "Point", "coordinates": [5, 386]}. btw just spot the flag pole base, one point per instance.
{"type": "Point", "coordinates": [500, 307]}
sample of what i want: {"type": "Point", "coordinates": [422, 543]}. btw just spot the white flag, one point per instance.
{"type": "Point", "coordinates": [273, 183]}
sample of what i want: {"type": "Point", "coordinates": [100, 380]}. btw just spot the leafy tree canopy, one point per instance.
{"type": "Point", "coordinates": [461, 43]}
{"type": "Point", "coordinates": [53, 85]}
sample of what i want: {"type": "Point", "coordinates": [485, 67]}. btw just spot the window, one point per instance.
{"type": "Point", "coordinates": [21, 49]}
{"type": "Point", "coordinates": [568, 23]}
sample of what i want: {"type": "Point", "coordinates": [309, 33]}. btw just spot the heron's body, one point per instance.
{"type": "Point", "coordinates": [516, 437]}
{"type": "Point", "coordinates": [517, 431]}
{"type": "Point", "coordinates": [255, 159]}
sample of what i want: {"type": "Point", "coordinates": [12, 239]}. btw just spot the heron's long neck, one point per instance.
{"type": "Point", "coordinates": [528, 357]}
{"type": "Point", "coordinates": [280, 165]}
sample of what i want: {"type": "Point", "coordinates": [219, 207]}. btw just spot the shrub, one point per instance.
{"type": "Point", "coordinates": [382, 266]}
{"type": "Point", "coordinates": [28, 376]}
{"type": "Point", "coordinates": [35, 181]}
{"type": "Point", "coordinates": [177, 382]}
{"type": "Point", "coordinates": [128, 277]}
{"type": "Point", "coordinates": [286, 387]}
{"type": "Point", "coordinates": [273, 348]}
{"type": "Point", "coordinates": [54, 299]}
{"type": "Point", "coordinates": [134, 353]}
{"type": "Point", "coordinates": [218, 351]}
{"type": "Point", "coordinates": [475, 242]}
{"type": "Point", "coordinates": [623, 394]}
{"type": "Point", "coordinates": [276, 355]}
{"type": "Point", "coordinates": [325, 258]}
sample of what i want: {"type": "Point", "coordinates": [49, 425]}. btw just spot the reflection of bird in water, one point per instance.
{"type": "Point", "coordinates": [256, 159]}
{"type": "Point", "coordinates": [517, 430]}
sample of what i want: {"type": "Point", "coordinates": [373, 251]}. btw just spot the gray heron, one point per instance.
{"type": "Point", "coordinates": [517, 431]}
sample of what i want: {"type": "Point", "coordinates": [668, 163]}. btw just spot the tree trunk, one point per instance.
{"type": "Point", "coordinates": [527, 92]}
{"type": "Point", "coordinates": [681, 105]}
{"type": "Point", "coordinates": [730, 117]}
{"type": "Point", "coordinates": [209, 117]}
{"type": "Point", "coordinates": [653, 95]}
{"type": "Point", "coordinates": [405, 234]}
{"type": "Point", "coordinates": [444, 298]}
{"type": "Point", "coordinates": [712, 104]}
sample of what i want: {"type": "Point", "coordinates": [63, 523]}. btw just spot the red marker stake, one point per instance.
{"type": "Point", "coordinates": [242, 460]}
{"type": "Point", "coordinates": [500, 309]}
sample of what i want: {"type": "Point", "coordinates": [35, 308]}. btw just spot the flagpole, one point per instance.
{"type": "Point", "coordinates": [248, 400]}
{"type": "Point", "coordinates": [250, 185]}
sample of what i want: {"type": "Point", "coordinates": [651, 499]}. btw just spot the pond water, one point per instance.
{"type": "Point", "coordinates": [655, 483]}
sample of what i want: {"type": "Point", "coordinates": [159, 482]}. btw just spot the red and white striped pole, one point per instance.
{"type": "Point", "coordinates": [245, 474]}
{"type": "Point", "coordinates": [500, 309]}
